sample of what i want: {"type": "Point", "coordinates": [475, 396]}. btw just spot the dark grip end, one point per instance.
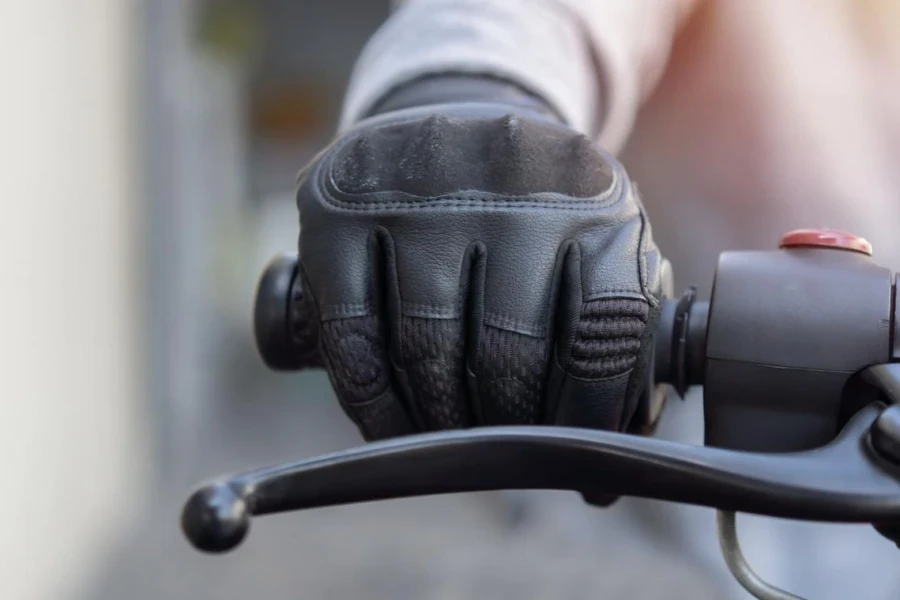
{"type": "Point", "coordinates": [271, 314]}
{"type": "Point", "coordinates": [215, 518]}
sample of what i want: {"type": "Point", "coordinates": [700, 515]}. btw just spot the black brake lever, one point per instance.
{"type": "Point", "coordinates": [846, 480]}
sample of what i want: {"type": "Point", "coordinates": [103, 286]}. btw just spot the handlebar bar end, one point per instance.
{"type": "Point", "coordinates": [271, 314]}
{"type": "Point", "coordinates": [215, 519]}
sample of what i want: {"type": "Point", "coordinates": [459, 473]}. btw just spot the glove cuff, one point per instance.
{"type": "Point", "coordinates": [454, 88]}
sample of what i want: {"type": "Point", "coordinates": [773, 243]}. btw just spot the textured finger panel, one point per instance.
{"type": "Point", "coordinates": [357, 357]}
{"type": "Point", "coordinates": [441, 154]}
{"type": "Point", "coordinates": [511, 375]}
{"type": "Point", "coordinates": [433, 354]}
{"type": "Point", "coordinates": [608, 337]}
{"type": "Point", "coordinates": [359, 371]}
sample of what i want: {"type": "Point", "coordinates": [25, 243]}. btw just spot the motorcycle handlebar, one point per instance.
{"type": "Point", "coordinates": [798, 353]}
{"type": "Point", "coordinates": [279, 311]}
{"type": "Point", "coordinates": [839, 482]}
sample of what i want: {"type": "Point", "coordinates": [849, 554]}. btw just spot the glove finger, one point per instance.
{"type": "Point", "coordinates": [599, 343]}
{"type": "Point", "coordinates": [426, 347]}
{"type": "Point", "coordinates": [507, 371]}
{"type": "Point", "coordinates": [432, 360]}
{"type": "Point", "coordinates": [355, 354]}
{"type": "Point", "coordinates": [359, 371]}
{"type": "Point", "coordinates": [510, 375]}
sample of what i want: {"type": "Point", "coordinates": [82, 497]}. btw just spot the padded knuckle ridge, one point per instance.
{"type": "Point", "coordinates": [608, 337]}
{"type": "Point", "coordinates": [440, 155]}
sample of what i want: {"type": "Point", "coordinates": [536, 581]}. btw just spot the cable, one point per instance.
{"type": "Point", "coordinates": [737, 564]}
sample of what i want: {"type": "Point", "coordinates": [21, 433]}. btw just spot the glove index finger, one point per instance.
{"type": "Point", "coordinates": [354, 348]}
{"type": "Point", "coordinates": [357, 362]}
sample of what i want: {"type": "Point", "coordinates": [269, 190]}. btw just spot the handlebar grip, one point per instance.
{"type": "Point", "coordinates": [286, 337]}
{"type": "Point", "coordinates": [282, 326]}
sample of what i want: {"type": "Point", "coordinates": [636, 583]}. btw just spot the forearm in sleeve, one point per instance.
{"type": "Point", "coordinates": [586, 60]}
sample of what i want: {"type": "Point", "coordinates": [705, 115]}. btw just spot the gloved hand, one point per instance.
{"type": "Point", "coordinates": [474, 263]}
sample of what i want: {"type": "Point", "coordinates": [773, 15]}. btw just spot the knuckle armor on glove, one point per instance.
{"type": "Point", "coordinates": [472, 267]}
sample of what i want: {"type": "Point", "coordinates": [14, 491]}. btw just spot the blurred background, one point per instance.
{"type": "Point", "coordinates": [149, 151]}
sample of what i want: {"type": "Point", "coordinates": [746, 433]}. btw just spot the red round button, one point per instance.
{"type": "Point", "coordinates": [825, 238]}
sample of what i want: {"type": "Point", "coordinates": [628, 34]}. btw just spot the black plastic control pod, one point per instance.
{"type": "Point", "coordinates": [787, 331]}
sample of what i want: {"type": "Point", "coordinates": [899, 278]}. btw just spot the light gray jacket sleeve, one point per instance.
{"type": "Point", "coordinates": [593, 61]}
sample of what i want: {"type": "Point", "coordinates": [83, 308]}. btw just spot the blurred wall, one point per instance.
{"type": "Point", "coordinates": [194, 164]}
{"type": "Point", "coordinates": [71, 440]}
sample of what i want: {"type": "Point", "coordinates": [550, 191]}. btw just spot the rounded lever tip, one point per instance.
{"type": "Point", "coordinates": [885, 434]}
{"type": "Point", "coordinates": [215, 518]}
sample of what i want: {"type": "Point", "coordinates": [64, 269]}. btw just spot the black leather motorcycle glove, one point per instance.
{"type": "Point", "coordinates": [474, 263]}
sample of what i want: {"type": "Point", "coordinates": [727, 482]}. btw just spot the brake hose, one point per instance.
{"type": "Point", "coordinates": [737, 563]}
